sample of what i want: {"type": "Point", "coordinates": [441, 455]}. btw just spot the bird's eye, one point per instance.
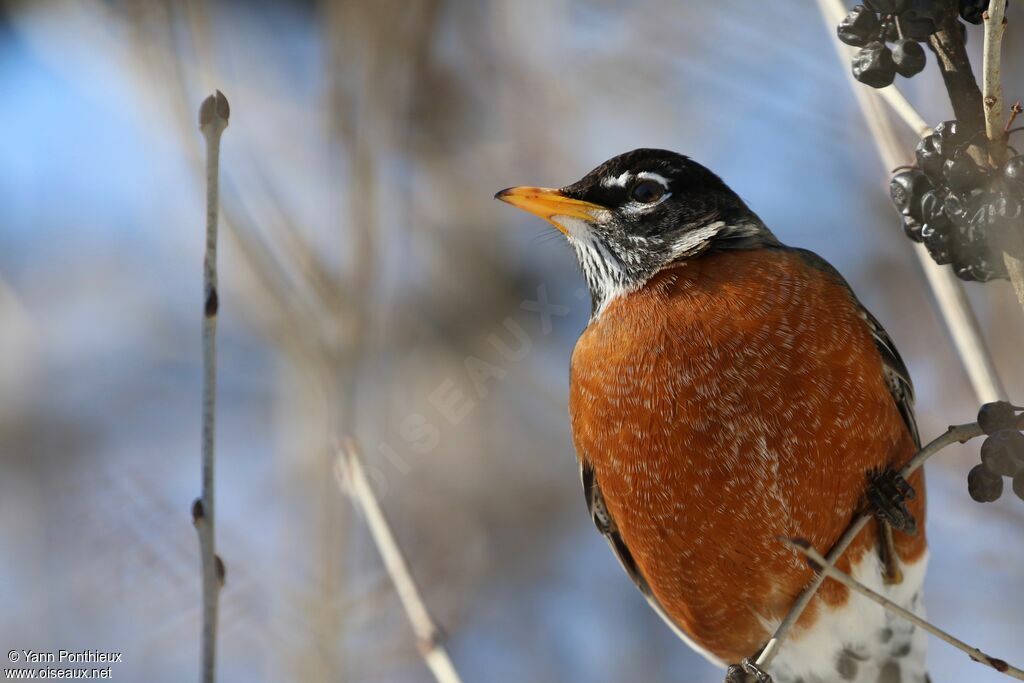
{"type": "Point", "coordinates": [647, 191]}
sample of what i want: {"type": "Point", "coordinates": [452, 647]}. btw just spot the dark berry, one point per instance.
{"type": "Point", "coordinates": [908, 56]}
{"type": "Point", "coordinates": [932, 211]}
{"type": "Point", "coordinates": [906, 189]}
{"type": "Point", "coordinates": [1003, 453]}
{"type": "Point", "coordinates": [918, 20]}
{"type": "Point", "coordinates": [928, 158]}
{"type": "Point", "coordinates": [948, 138]}
{"type": "Point", "coordinates": [965, 272]}
{"type": "Point", "coordinates": [962, 174]}
{"type": "Point", "coordinates": [995, 416]}
{"type": "Point", "coordinates": [984, 486]}
{"type": "Point", "coordinates": [912, 229]}
{"type": "Point", "coordinates": [887, 6]}
{"type": "Point", "coordinates": [971, 11]}
{"type": "Point", "coordinates": [984, 270]}
{"type": "Point", "coordinates": [1013, 172]}
{"type": "Point", "coordinates": [1002, 219]}
{"type": "Point", "coordinates": [975, 257]}
{"type": "Point", "coordinates": [957, 208]}
{"type": "Point", "coordinates": [938, 244]}
{"type": "Point", "coordinates": [858, 27]}
{"type": "Point", "coordinates": [1018, 485]}
{"type": "Point", "coordinates": [873, 65]}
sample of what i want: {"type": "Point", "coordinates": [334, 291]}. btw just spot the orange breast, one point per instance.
{"type": "Point", "coordinates": [734, 399]}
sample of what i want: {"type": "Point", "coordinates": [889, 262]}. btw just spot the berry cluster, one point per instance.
{"type": "Point", "coordinates": [905, 23]}
{"type": "Point", "coordinates": [1002, 454]}
{"type": "Point", "coordinates": [961, 211]}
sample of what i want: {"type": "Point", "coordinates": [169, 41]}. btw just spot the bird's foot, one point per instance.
{"type": "Point", "coordinates": [888, 493]}
{"type": "Point", "coordinates": [746, 672]}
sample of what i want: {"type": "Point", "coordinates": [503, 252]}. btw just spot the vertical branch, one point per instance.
{"type": "Point", "coordinates": [352, 479]}
{"type": "Point", "coordinates": [995, 26]}
{"type": "Point", "coordinates": [951, 54]}
{"type": "Point", "coordinates": [213, 119]}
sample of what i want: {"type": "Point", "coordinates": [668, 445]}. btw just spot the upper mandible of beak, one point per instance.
{"type": "Point", "coordinates": [549, 204]}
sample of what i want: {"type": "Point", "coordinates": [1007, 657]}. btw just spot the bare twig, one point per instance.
{"type": "Point", "coordinates": [904, 109]}
{"type": "Point", "coordinates": [825, 568]}
{"type": "Point", "coordinates": [946, 288]}
{"type": "Point", "coordinates": [1015, 111]}
{"type": "Point", "coordinates": [992, 87]}
{"type": "Point", "coordinates": [995, 26]}
{"type": "Point", "coordinates": [352, 480]}
{"type": "Point", "coordinates": [955, 434]}
{"type": "Point", "coordinates": [951, 54]}
{"type": "Point", "coordinates": [213, 119]}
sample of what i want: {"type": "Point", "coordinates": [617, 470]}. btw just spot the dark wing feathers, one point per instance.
{"type": "Point", "coordinates": [896, 374]}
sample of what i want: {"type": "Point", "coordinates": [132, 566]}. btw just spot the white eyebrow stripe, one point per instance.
{"type": "Point", "coordinates": [657, 177]}
{"type": "Point", "coordinates": [618, 182]}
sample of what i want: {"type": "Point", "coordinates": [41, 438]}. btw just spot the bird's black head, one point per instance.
{"type": "Point", "coordinates": [640, 212]}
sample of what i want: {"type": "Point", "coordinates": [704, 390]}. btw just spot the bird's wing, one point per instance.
{"type": "Point", "coordinates": [896, 375]}
{"type": "Point", "coordinates": [606, 525]}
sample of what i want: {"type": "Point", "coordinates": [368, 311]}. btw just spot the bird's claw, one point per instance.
{"type": "Point", "coordinates": [746, 672]}
{"type": "Point", "coordinates": [888, 493]}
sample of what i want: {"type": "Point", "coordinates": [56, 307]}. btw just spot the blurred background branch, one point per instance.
{"type": "Point", "coordinates": [429, 636]}
{"type": "Point", "coordinates": [213, 119]}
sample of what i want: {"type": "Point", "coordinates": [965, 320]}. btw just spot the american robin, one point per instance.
{"type": "Point", "coordinates": [727, 391]}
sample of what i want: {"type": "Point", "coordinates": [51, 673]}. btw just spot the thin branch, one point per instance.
{"type": "Point", "coordinates": [950, 52]}
{"type": "Point", "coordinates": [955, 434]}
{"type": "Point", "coordinates": [995, 27]}
{"type": "Point", "coordinates": [213, 119]}
{"type": "Point", "coordinates": [992, 87]}
{"type": "Point", "coordinates": [351, 478]}
{"type": "Point", "coordinates": [825, 568]}
{"type": "Point", "coordinates": [946, 288]}
{"type": "Point", "coordinates": [902, 107]}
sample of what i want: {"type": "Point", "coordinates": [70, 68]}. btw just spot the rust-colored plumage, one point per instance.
{"type": "Point", "coordinates": [732, 399]}
{"type": "Point", "coordinates": [730, 390]}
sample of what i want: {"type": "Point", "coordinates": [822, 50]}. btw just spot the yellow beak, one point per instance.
{"type": "Point", "coordinates": [549, 204]}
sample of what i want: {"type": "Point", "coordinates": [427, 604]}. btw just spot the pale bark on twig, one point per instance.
{"type": "Point", "coordinates": [213, 119]}
{"type": "Point", "coordinates": [826, 569]}
{"type": "Point", "coordinates": [902, 107]}
{"type": "Point", "coordinates": [992, 101]}
{"type": "Point", "coordinates": [429, 637]}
